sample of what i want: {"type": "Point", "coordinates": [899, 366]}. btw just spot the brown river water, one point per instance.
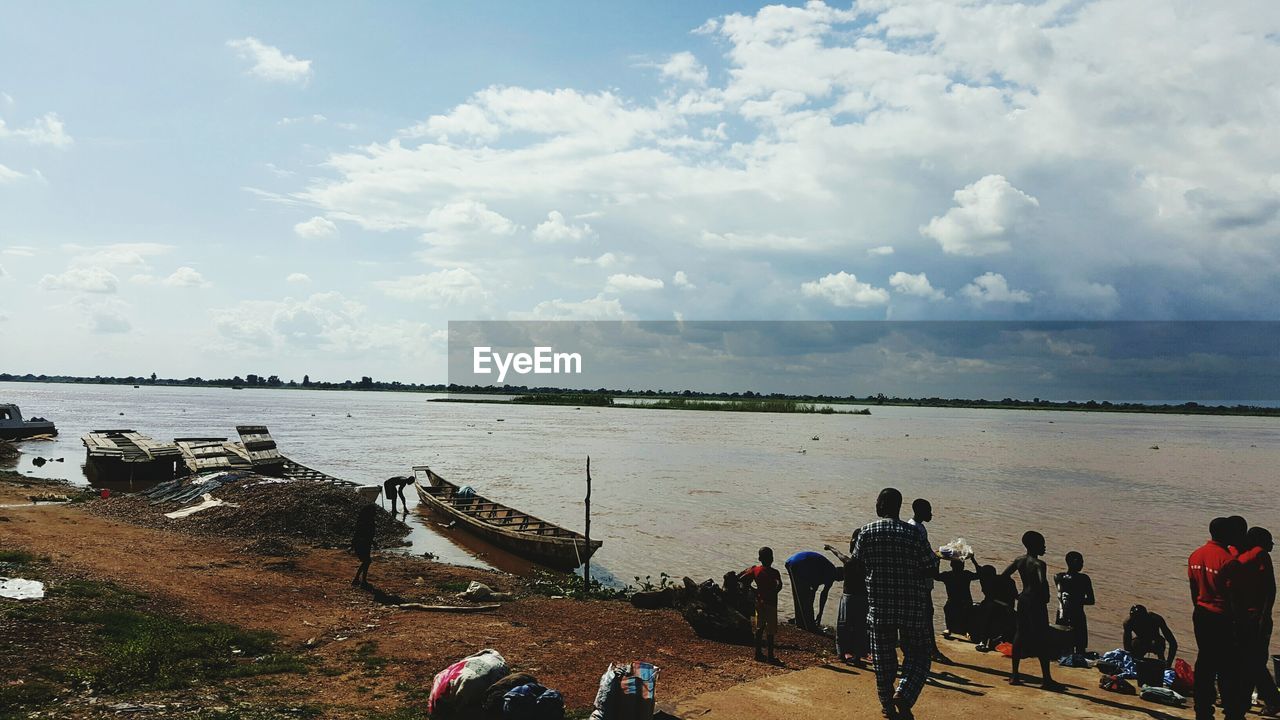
{"type": "Point", "coordinates": [696, 493]}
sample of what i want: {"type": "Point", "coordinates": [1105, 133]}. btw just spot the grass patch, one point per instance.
{"type": "Point", "coordinates": [366, 653]}
{"type": "Point", "coordinates": [453, 586]}
{"type": "Point", "coordinates": [145, 651]}
{"type": "Point", "coordinates": [30, 694]}
{"type": "Point", "coordinates": [766, 406]}
{"type": "Point", "coordinates": [587, 399]}
{"type": "Point", "coordinates": [16, 557]}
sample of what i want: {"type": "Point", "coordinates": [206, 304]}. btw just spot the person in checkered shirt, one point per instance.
{"type": "Point", "coordinates": [897, 561]}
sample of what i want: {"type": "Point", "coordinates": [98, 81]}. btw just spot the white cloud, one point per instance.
{"type": "Point", "coordinates": [82, 279]}
{"type": "Point", "coordinates": [322, 322]}
{"type": "Point", "coordinates": [107, 316]}
{"type": "Point", "coordinates": [556, 229]}
{"type": "Point", "coordinates": [605, 261]}
{"type": "Point", "coordinates": [993, 288]}
{"type": "Point", "coordinates": [186, 277]}
{"type": "Point", "coordinates": [270, 63]}
{"type": "Point", "coordinates": [19, 250]}
{"type": "Point", "coordinates": [917, 285]}
{"type": "Point", "coordinates": [2, 272]}
{"type": "Point", "coordinates": [985, 214]}
{"type": "Point", "coordinates": [624, 283]}
{"type": "Point", "coordinates": [459, 222]}
{"type": "Point", "coordinates": [456, 286]}
{"type": "Point", "coordinates": [880, 251]}
{"type": "Point", "coordinates": [681, 280]}
{"type": "Point", "coordinates": [133, 255]}
{"type": "Point", "coordinates": [843, 289]}
{"type": "Point", "coordinates": [298, 278]}
{"type": "Point", "coordinates": [317, 228]}
{"type": "Point", "coordinates": [313, 119]}
{"type": "Point", "coordinates": [597, 308]}
{"type": "Point", "coordinates": [8, 174]}
{"type": "Point", "coordinates": [730, 241]}
{"type": "Point", "coordinates": [684, 67]}
{"type": "Point", "coordinates": [48, 129]}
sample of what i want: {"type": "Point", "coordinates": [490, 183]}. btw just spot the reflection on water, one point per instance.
{"type": "Point", "coordinates": [696, 493]}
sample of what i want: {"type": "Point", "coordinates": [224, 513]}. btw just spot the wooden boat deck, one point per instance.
{"type": "Point", "coordinates": [127, 446]}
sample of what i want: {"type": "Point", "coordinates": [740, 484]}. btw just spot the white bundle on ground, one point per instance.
{"type": "Point", "coordinates": [19, 589]}
{"type": "Point", "coordinates": [957, 549]}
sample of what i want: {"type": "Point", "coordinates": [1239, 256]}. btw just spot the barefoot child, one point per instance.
{"type": "Point", "coordinates": [1031, 638]}
{"type": "Point", "coordinates": [852, 643]}
{"type": "Point", "coordinates": [1075, 591]}
{"type": "Point", "coordinates": [768, 582]}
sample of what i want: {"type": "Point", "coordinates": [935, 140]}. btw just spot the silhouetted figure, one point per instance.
{"type": "Point", "coordinates": [393, 488]}
{"type": "Point", "coordinates": [897, 561]}
{"type": "Point", "coordinates": [1147, 633]}
{"type": "Point", "coordinates": [958, 610]}
{"type": "Point", "coordinates": [768, 582]}
{"type": "Point", "coordinates": [852, 644]}
{"type": "Point", "coordinates": [1031, 637]}
{"type": "Point", "coordinates": [1218, 658]}
{"type": "Point", "coordinates": [921, 514]}
{"type": "Point", "coordinates": [362, 543]}
{"type": "Point", "coordinates": [994, 620]}
{"type": "Point", "coordinates": [1254, 594]}
{"type": "Point", "coordinates": [1075, 593]}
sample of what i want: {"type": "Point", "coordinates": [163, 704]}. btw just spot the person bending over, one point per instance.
{"type": "Point", "coordinates": [809, 571]}
{"type": "Point", "coordinates": [1146, 633]}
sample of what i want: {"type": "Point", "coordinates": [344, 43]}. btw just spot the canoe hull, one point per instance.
{"type": "Point", "coordinates": [27, 430]}
{"type": "Point", "coordinates": [564, 551]}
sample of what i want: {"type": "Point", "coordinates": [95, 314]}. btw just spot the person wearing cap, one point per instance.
{"type": "Point", "coordinates": [1147, 633]}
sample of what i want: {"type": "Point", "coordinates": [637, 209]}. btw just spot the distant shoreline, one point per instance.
{"type": "Point", "coordinates": [870, 401]}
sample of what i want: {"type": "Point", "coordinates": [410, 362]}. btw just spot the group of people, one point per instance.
{"type": "Point", "coordinates": [886, 606]}
{"type": "Point", "coordinates": [1233, 592]}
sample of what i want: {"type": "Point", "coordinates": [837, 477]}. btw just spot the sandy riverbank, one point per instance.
{"type": "Point", "coordinates": [335, 629]}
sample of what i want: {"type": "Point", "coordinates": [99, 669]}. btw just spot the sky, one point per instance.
{"type": "Point", "coordinates": [221, 188]}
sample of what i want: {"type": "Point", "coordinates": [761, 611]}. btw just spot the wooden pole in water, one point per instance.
{"type": "Point", "coordinates": [586, 566]}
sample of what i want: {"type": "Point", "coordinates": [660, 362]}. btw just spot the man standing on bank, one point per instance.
{"type": "Point", "coordinates": [897, 562]}
{"type": "Point", "coordinates": [1218, 656]}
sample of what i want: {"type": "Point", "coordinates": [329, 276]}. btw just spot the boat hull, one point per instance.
{"type": "Point", "coordinates": [27, 430]}
{"type": "Point", "coordinates": [559, 553]}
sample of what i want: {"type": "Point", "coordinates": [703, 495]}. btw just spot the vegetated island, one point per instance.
{"type": "Point", "coordinates": [605, 397]}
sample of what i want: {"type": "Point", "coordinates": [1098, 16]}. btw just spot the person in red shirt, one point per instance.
{"type": "Point", "coordinates": [1210, 569]}
{"type": "Point", "coordinates": [768, 582]}
{"type": "Point", "coordinates": [1254, 593]}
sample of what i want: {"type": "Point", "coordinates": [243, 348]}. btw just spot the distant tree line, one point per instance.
{"type": "Point", "coordinates": [599, 396]}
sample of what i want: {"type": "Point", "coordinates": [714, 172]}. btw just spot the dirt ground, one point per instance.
{"type": "Point", "coordinates": [974, 688]}
{"type": "Point", "coordinates": [309, 602]}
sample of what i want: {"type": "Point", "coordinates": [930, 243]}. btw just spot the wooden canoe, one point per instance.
{"type": "Point", "coordinates": [510, 529]}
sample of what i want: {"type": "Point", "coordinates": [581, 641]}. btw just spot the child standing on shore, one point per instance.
{"type": "Point", "coordinates": [1075, 591]}
{"type": "Point", "coordinates": [768, 584]}
{"type": "Point", "coordinates": [1031, 638]}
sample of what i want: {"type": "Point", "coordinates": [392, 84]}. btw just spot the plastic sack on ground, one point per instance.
{"type": "Point", "coordinates": [1005, 649]}
{"type": "Point", "coordinates": [532, 702]}
{"type": "Point", "coordinates": [495, 696]}
{"type": "Point", "coordinates": [19, 589]}
{"type": "Point", "coordinates": [627, 692]}
{"type": "Point", "coordinates": [1184, 677]}
{"type": "Point", "coordinates": [957, 549]}
{"type": "Point", "coordinates": [1075, 661]}
{"type": "Point", "coordinates": [1164, 696]}
{"type": "Point", "coordinates": [463, 684]}
{"type": "Point", "coordinates": [476, 591]}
